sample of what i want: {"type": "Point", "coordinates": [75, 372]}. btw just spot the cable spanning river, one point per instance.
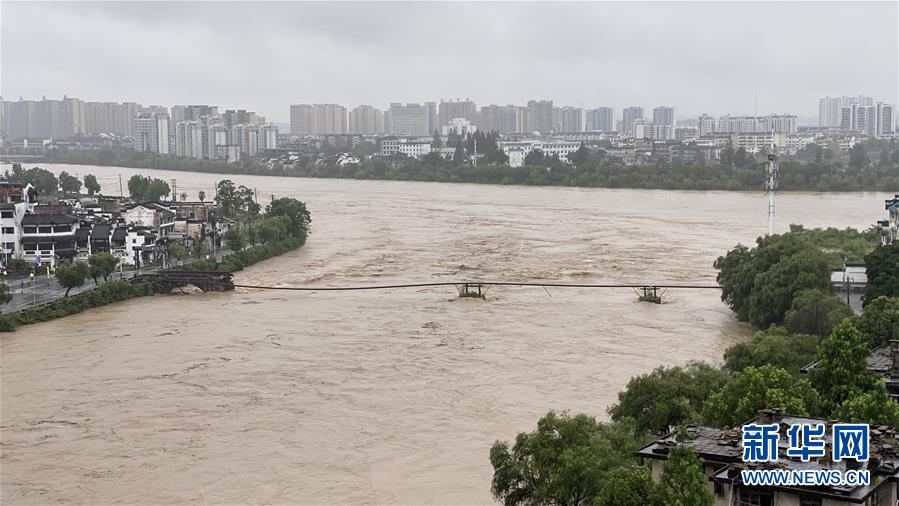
{"type": "Point", "coordinates": [374, 397]}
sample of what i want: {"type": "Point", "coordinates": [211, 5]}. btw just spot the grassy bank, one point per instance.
{"type": "Point", "coordinates": [245, 258]}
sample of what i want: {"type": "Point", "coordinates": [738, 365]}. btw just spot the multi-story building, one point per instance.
{"type": "Point", "coordinates": [60, 119]}
{"type": "Point", "coordinates": [504, 119]}
{"type": "Point", "coordinates": [777, 123]}
{"type": "Point", "coordinates": [410, 148]}
{"type": "Point", "coordinates": [151, 133]}
{"type": "Point", "coordinates": [16, 200]}
{"type": "Point", "coordinates": [539, 116]}
{"type": "Point", "coordinates": [874, 120]}
{"type": "Point", "coordinates": [601, 119]}
{"type": "Point", "coordinates": [189, 139]}
{"type": "Point", "coordinates": [628, 117]}
{"type": "Point", "coordinates": [450, 110]}
{"type": "Point", "coordinates": [459, 126]}
{"type": "Point", "coordinates": [643, 129]}
{"type": "Point", "coordinates": [48, 238]}
{"type": "Point", "coordinates": [663, 115]}
{"type": "Point", "coordinates": [246, 137]}
{"type": "Point", "coordinates": [830, 109]}
{"type": "Point", "coordinates": [306, 119]}
{"type": "Point", "coordinates": [110, 117]}
{"type": "Point", "coordinates": [412, 119]}
{"type": "Point", "coordinates": [366, 120]}
{"type": "Point", "coordinates": [518, 150]}
{"type": "Point", "coordinates": [571, 119]}
{"type": "Point", "coordinates": [706, 125]}
{"type": "Point", "coordinates": [758, 142]}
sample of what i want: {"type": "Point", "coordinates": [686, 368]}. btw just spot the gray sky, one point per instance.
{"type": "Point", "coordinates": [698, 56]}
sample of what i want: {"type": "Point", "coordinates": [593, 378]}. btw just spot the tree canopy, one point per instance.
{"type": "Point", "coordinates": [91, 184]}
{"type": "Point", "coordinates": [71, 275]}
{"type": "Point", "coordinates": [147, 189]}
{"type": "Point", "coordinates": [882, 267]}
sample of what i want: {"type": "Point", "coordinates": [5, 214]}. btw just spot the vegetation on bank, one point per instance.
{"type": "Point", "coordinates": [588, 169]}
{"type": "Point", "coordinates": [106, 293]}
{"type": "Point", "coordinates": [782, 287]}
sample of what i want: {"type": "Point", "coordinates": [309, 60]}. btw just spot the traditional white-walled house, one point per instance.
{"type": "Point", "coordinates": [151, 215]}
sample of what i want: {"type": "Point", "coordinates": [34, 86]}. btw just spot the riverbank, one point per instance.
{"type": "Point", "coordinates": [116, 291]}
{"type": "Point", "coordinates": [794, 176]}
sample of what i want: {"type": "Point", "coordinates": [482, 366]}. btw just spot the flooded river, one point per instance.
{"type": "Point", "coordinates": [374, 397]}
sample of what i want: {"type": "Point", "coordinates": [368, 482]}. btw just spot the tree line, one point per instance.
{"type": "Point", "coordinates": [736, 171]}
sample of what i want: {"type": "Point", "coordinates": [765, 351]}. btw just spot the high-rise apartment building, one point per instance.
{"type": "Point", "coordinates": [504, 119]}
{"type": "Point", "coordinates": [60, 119]}
{"type": "Point", "coordinates": [151, 133]}
{"type": "Point", "coordinates": [777, 123]}
{"type": "Point", "coordinates": [663, 115]}
{"type": "Point", "coordinates": [189, 139]}
{"type": "Point", "coordinates": [706, 124]}
{"type": "Point", "coordinates": [450, 110]}
{"type": "Point", "coordinates": [412, 119]}
{"type": "Point", "coordinates": [628, 116]}
{"type": "Point", "coordinates": [539, 116]}
{"type": "Point", "coordinates": [570, 119]}
{"type": "Point", "coordinates": [830, 109]}
{"type": "Point", "coordinates": [874, 120]}
{"type": "Point", "coordinates": [110, 117]}
{"type": "Point", "coordinates": [601, 119]}
{"type": "Point", "coordinates": [318, 119]}
{"type": "Point", "coordinates": [366, 120]}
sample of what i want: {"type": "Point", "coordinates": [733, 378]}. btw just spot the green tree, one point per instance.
{"type": "Point", "coordinates": [815, 312]}
{"type": "Point", "coordinates": [69, 184]}
{"type": "Point", "coordinates": [882, 266]}
{"type": "Point", "coordinates": [667, 397]}
{"type": "Point", "coordinates": [437, 142]}
{"type": "Point", "coordinates": [858, 158]}
{"type": "Point", "coordinates": [742, 158]}
{"type": "Point", "coordinates": [235, 201]}
{"type": "Point", "coordinates": [295, 211]}
{"type": "Point", "coordinates": [178, 251]}
{"type": "Point", "coordinates": [774, 289]}
{"type": "Point", "coordinates": [71, 275]}
{"type": "Point", "coordinates": [683, 482]}
{"type": "Point", "coordinates": [5, 294]}
{"type": "Point", "coordinates": [91, 184]}
{"type": "Point", "coordinates": [879, 323]}
{"type": "Point", "coordinates": [534, 157]}
{"type": "Point", "coordinates": [459, 154]}
{"type": "Point", "coordinates": [875, 407]}
{"type": "Point", "coordinates": [756, 388]}
{"type": "Point", "coordinates": [563, 462]}
{"type": "Point", "coordinates": [199, 248]}
{"type": "Point", "coordinates": [235, 239]}
{"type": "Point", "coordinates": [774, 346]}
{"type": "Point", "coordinates": [627, 486]}
{"type": "Point", "coordinates": [146, 189]}
{"type": "Point", "coordinates": [42, 180]}
{"type": "Point", "coordinates": [102, 265]}
{"type": "Point", "coordinates": [271, 229]}
{"type": "Point", "coordinates": [842, 369]}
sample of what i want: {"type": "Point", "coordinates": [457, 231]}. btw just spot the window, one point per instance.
{"type": "Point", "coordinates": [30, 230]}
{"type": "Point", "coordinates": [9, 230]}
{"type": "Point", "coordinates": [45, 229]}
{"type": "Point", "coordinates": [809, 500]}
{"type": "Point", "coordinates": [754, 497]}
{"type": "Point", "coordinates": [7, 214]}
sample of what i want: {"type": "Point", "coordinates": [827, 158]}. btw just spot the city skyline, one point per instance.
{"type": "Point", "coordinates": [707, 68]}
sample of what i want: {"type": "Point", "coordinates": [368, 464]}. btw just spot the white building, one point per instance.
{"type": "Point", "coordinates": [189, 139]}
{"type": "Point", "coordinates": [15, 203]}
{"type": "Point", "coordinates": [518, 150]}
{"type": "Point", "coordinates": [151, 215]}
{"type": "Point", "coordinates": [777, 123]}
{"type": "Point", "coordinates": [151, 133]}
{"type": "Point", "coordinates": [758, 142]}
{"type": "Point", "coordinates": [230, 153]}
{"type": "Point", "coordinates": [460, 126]}
{"type": "Point", "coordinates": [410, 148]}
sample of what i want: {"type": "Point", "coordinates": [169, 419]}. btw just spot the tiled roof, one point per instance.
{"type": "Point", "coordinates": [48, 219]}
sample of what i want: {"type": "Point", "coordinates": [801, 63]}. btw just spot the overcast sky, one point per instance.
{"type": "Point", "coordinates": [698, 56]}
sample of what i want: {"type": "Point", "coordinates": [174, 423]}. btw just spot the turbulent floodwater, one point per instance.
{"type": "Point", "coordinates": [374, 397]}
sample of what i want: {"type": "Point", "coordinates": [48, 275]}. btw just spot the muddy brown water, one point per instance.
{"type": "Point", "coordinates": [374, 397]}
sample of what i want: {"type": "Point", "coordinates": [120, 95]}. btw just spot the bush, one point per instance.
{"type": "Point", "coordinates": [241, 259]}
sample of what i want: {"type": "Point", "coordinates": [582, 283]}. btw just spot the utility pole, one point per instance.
{"type": "Point", "coordinates": [121, 192]}
{"type": "Point", "coordinates": [475, 151]}
{"type": "Point", "coordinates": [771, 184]}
